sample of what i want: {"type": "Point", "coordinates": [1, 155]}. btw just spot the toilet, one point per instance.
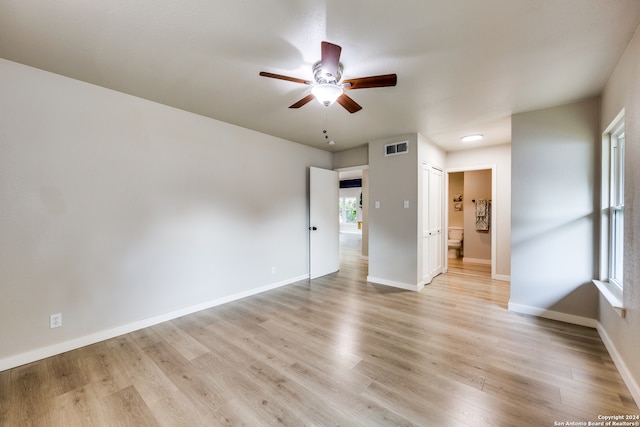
{"type": "Point", "coordinates": [454, 242]}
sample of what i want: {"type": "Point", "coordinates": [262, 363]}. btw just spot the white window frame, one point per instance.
{"type": "Point", "coordinates": [616, 206]}
{"type": "Point", "coordinates": [342, 207]}
{"type": "Point", "coordinates": [611, 281]}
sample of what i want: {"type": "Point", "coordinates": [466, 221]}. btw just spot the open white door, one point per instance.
{"type": "Point", "coordinates": [324, 229]}
{"type": "Point", "coordinates": [436, 243]}
{"type": "Point", "coordinates": [432, 236]}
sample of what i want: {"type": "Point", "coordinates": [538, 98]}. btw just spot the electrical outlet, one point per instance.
{"type": "Point", "coordinates": [274, 270]}
{"type": "Point", "coordinates": [55, 320]}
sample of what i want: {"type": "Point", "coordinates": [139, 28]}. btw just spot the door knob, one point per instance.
{"type": "Point", "coordinates": [313, 228]}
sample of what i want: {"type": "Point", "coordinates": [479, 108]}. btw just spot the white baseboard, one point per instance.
{"type": "Point", "coordinates": [406, 286]}
{"type": "Point", "coordinates": [554, 315]}
{"type": "Point", "coordinates": [632, 384]}
{"type": "Point", "coordinates": [52, 350]}
{"type": "Point", "coordinates": [476, 261]}
{"type": "Point", "coordinates": [503, 277]}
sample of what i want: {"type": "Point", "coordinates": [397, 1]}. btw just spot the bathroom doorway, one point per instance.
{"type": "Point", "coordinates": [470, 223]}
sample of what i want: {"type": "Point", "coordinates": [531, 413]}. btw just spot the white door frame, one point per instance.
{"type": "Point", "coordinates": [365, 205]}
{"type": "Point", "coordinates": [494, 193]}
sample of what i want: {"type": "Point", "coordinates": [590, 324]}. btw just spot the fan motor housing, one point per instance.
{"type": "Point", "coordinates": [321, 76]}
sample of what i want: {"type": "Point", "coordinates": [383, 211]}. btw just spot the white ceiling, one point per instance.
{"type": "Point", "coordinates": [463, 66]}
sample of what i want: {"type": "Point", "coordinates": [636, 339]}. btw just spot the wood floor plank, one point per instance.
{"type": "Point", "coordinates": [126, 408]}
{"type": "Point", "coordinates": [205, 393]}
{"type": "Point", "coordinates": [78, 407]}
{"type": "Point", "coordinates": [106, 371]}
{"type": "Point", "coordinates": [6, 396]}
{"type": "Point", "coordinates": [177, 411]}
{"type": "Point", "coordinates": [149, 380]}
{"type": "Point", "coordinates": [256, 396]}
{"type": "Point", "coordinates": [188, 347]}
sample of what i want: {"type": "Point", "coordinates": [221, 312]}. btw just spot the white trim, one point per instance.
{"type": "Point", "coordinates": [476, 261]}
{"type": "Point", "coordinates": [52, 350]}
{"type": "Point", "coordinates": [503, 277]}
{"type": "Point", "coordinates": [352, 168]}
{"type": "Point", "coordinates": [494, 201]}
{"type": "Point", "coordinates": [426, 280]}
{"type": "Point", "coordinates": [553, 315]}
{"type": "Point", "coordinates": [631, 383]}
{"type": "Point", "coordinates": [605, 195]}
{"type": "Point", "coordinates": [612, 294]}
{"type": "Point", "coordinates": [395, 284]}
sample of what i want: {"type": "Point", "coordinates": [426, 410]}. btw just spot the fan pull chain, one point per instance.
{"type": "Point", "coordinates": [324, 131]}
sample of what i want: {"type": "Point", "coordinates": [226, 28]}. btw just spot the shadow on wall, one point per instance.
{"type": "Point", "coordinates": [553, 265]}
{"type": "Point", "coordinates": [586, 292]}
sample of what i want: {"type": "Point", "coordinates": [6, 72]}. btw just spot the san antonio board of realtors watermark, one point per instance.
{"type": "Point", "coordinates": [604, 421]}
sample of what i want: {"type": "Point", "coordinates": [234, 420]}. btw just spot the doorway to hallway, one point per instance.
{"type": "Point", "coordinates": [353, 208]}
{"type": "Point", "coordinates": [351, 260]}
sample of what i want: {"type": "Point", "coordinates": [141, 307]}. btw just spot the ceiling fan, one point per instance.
{"type": "Point", "coordinates": [328, 87]}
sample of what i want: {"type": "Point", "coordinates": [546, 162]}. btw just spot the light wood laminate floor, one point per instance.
{"type": "Point", "coordinates": [458, 266]}
{"type": "Point", "coordinates": [333, 351]}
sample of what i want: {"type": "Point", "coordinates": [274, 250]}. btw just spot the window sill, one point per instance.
{"type": "Point", "coordinates": [612, 295]}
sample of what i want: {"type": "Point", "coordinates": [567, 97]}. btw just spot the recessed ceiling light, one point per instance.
{"type": "Point", "coordinates": [472, 138]}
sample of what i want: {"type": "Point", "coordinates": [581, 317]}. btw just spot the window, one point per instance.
{"type": "Point", "coordinates": [611, 278]}
{"type": "Point", "coordinates": [348, 212]}
{"type": "Point", "coordinates": [612, 214]}
{"type": "Point", "coordinates": [616, 204]}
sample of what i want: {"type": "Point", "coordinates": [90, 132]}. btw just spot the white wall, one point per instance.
{"type": "Point", "coordinates": [500, 156]}
{"type": "Point", "coordinates": [456, 186]}
{"type": "Point", "coordinates": [553, 222]}
{"type": "Point", "coordinates": [116, 210]}
{"type": "Point", "coordinates": [349, 158]}
{"type": "Point", "coordinates": [393, 230]}
{"type": "Point", "coordinates": [621, 334]}
{"type": "Point", "coordinates": [365, 213]}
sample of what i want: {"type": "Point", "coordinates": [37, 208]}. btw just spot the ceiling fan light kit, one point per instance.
{"type": "Point", "coordinates": [328, 88]}
{"type": "Point", "coordinates": [327, 93]}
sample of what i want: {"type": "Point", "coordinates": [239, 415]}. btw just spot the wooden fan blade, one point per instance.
{"type": "Point", "coordinates": [349, 104]}
{"type": "Point", "coordinates": [330, 57]}
{"type": "Point", "coordinates": [373, 81]}
{"type": "Point", "coordinates": [287, 78]}
{"type": "Point", "coordinates": [303, 101]}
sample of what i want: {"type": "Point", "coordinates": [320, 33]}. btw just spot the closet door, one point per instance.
{"type": "Point", "coordinates": [436, 242]}
{"type": "Point", "coordinates": [426, 242]}
{"type": "Point", "coordinates": [432, 235]}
